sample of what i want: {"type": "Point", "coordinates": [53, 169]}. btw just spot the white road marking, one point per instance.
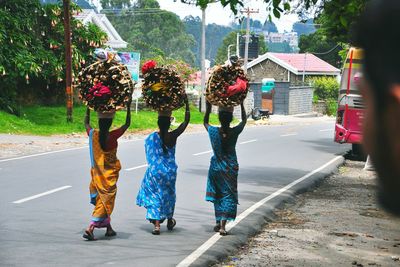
{"type": "Point", "coordinates": [213, 239]}
{"type": "Point", "coordinates": [59, 151]}
{"type": "Point", "coordinates": [42, 154]}
{"type": "Point", "coordinates": [291, 134]}
{"type": "Point", "coordinates": [42, 194]}
{"type": "Point", "coordinates": [326, 130]}
{"type": "Point", "coordinates": [246, 142]}
{"type": "Point", "coordinates": [137, 167]}
{"type": "Point", "coordinates": [201, 153]}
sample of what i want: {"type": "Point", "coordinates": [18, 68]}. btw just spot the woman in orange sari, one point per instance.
{"type": "Point", "coordinates": [105, 168]}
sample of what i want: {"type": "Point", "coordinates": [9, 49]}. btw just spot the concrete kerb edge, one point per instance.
{"type": "Point", "coordinates": [254, 223]}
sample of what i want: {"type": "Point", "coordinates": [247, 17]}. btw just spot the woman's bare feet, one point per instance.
{"type": "Point", "coordinates": [110, 231]}
{"type": "Point", "coordinates": [222, 231]}
{"type": "Point", "coordinates": [171, 224]}
{"type": "Point", "coordinates": [156, 230]}
{"type": "Point", "coordinates": [89, 233]}
{"type": "Point", "coordinates": [217, 226]}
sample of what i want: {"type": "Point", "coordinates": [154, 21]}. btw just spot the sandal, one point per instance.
{"type": "Point", "coordinates": [156, 231]}
{"type": "Point", "coordinates": [223, 232]}
{"type": "Point", "coordinates": [171, 224]}
{"type": "Point", "coordinates": [217, 227]}
{"type": "Point", "coordinates": [88, 235]}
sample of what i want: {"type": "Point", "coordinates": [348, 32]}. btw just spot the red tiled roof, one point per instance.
{"type": "Point", "coordinates": [309, 61]}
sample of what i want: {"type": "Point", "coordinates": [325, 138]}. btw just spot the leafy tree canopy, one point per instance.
{"type": "Point", "coordinates": [153, 31]}
{"type": "Point", "coordinates": [269, 26]}
{"type": "Point", "coordinates": [304, 28]}
{"type": "Point", "coordinates": [322, 46]}
{"type": "Point", "coordinates": [32, 50]}
{"type": "Point", "coordinates": [214, 36]}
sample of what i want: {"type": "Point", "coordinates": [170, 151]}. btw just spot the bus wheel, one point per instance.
{"type": "Point", "coordinates": [358, 152]}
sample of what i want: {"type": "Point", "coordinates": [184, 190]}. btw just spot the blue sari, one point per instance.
{"type": "Point", "coordinates": [222, 175]}
{"type": "Point", "coordinates": [157, 192]}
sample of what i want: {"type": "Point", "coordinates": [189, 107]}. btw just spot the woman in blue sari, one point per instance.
{"type": "Point", "coordinates": [224, 167]}
{"type": "Point", "coordinates": [157, 192]}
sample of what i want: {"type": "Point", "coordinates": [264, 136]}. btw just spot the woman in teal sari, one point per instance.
{"type": "Point", "coordinates": [223, 171]}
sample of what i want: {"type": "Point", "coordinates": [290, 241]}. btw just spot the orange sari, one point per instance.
{"type": "Point", "coordinates": [103, 186]}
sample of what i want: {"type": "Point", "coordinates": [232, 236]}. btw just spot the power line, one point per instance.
{"type": "Point", "coordinates": [327, 52]}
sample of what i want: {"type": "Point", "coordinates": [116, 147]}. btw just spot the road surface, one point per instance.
{"type": "Point", "coordinates": [44, 204]}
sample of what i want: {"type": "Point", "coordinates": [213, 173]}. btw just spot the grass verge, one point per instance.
{"type": "Point", "coordinates": [38, 120]}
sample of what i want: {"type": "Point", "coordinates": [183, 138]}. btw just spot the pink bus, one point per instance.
{"type": "Point", "coordinates": [348, 128]}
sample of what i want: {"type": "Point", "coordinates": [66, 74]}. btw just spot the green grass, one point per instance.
{"type": "Point", "coordinates": [39, 120]}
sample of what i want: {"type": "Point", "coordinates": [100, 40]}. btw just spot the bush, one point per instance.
{"type": "Point", "coordinates": [331, 107]}
{"type": "Point", "coordinates": [325, 88]}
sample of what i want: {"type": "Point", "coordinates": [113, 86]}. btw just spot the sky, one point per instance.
{"type": "Point", "coordinates": [215, 13]}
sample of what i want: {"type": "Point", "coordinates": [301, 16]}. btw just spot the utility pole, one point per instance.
{"type": "Point", "coordinates": [304, 66]}
{"type": "Point", "coordinates": [248, 11]}
{"type": "Point", "coordinates": [229, 50]}
{"type": "Point", "coordinates": [203, 55]}
{"type": "Point", "coordinates": [68, 59]}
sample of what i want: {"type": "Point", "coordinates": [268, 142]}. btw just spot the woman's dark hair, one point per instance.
{"type": "Point", "coordinates": [164, 122]}
{"type": "Point", "coordinates": [104, 126]}
{"type": "Point", "coordinates": [225, 118]}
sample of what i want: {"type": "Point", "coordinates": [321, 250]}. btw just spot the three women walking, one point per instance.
{"type": "Point", "coordinates": [104, 171]}
{"type": "Point", "coordinates": [157, 192]}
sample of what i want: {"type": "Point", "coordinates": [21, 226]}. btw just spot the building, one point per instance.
{"type": "Point", "coordinates": [101, 20]}
{"type": "Point", "coordinates": [291, 38]}
{"type": "Point", "coordinates": [89, 14]}
{"type": "Point", "coordinates": [292, 68]}
{"type": "Point", "coordinates": [291, 95]}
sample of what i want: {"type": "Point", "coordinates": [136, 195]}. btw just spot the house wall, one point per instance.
{"type": "Point", "coordinates": [281, 98]}
{"type": "Point", "coordinates": [300, 100]}
{"type": "Point", "coordinates": [268, 69]}
{"type": "Point", "coordinates": [287, 100]}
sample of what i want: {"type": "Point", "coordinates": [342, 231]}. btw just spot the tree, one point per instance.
{"type": "Point", "coordinates": [214, 36]}
{"type": "Point", "coordinates": [154, 32]}
{"type": "Point", "coordinates": [338, 17]}
{"type": "Point", "coordinates": [269, 26]}
{"type": "Point", "coordinates": [318, 43]}
{"type": "Point", "coordinates": [113, 4]}
{"type": "Point", "coordinates": [283, 47]}
{"type": "Point", "coordinates": [304, 28]}
{"type": "Point", "coordinates": [222, 54]}
{"type": "Point", "coordinates": [32, 51]}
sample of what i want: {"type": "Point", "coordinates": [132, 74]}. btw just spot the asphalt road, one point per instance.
{"type": "Point", "coordinates": [47, 230]}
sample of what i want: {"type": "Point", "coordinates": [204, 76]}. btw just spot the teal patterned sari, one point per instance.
{"type": "Point", "coordinates": [222, 175]}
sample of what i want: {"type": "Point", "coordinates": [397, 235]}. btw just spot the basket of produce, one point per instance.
{"type": "Point", "coordinates": [105, 85]}
{"type": "Point", "coordinates": [227, 86]}
{"type": "Point", "coordinates": [162, 88]}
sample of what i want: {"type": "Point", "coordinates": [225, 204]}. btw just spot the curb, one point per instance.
{"type": "Point", "coordinates": [254, 223]}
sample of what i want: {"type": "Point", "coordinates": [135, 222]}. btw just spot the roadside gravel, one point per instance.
{"type": "Point", "coordinates": [336, 224]}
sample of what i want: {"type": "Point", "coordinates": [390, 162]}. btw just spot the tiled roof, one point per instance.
{"type": "Point", "coordinates": [296, 63]}
{"type": "Point", "coordinates": [308, 61]}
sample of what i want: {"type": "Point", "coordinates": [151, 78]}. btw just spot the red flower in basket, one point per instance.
{"type": "Point", "coordinates": [238, 87]}
{"type": "Point", "coordinates": [100, 91]}
{"type": "Point", "coordinates": [151, 64]}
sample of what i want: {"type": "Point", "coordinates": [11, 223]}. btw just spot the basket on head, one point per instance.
{"type": "Point", "coordinates": [165, 113]}
{"type": "Point", "coordinates": [106, 115]}
{"type": "Point", "coordinates": [105, 85]}
{"type": "Point", "coordinates": [163, 88]}
{"type": "Point", "coordinates": [227, 86]}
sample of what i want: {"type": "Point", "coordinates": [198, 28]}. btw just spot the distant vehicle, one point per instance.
{"type": "Point", "coordinates": [348, 128]}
